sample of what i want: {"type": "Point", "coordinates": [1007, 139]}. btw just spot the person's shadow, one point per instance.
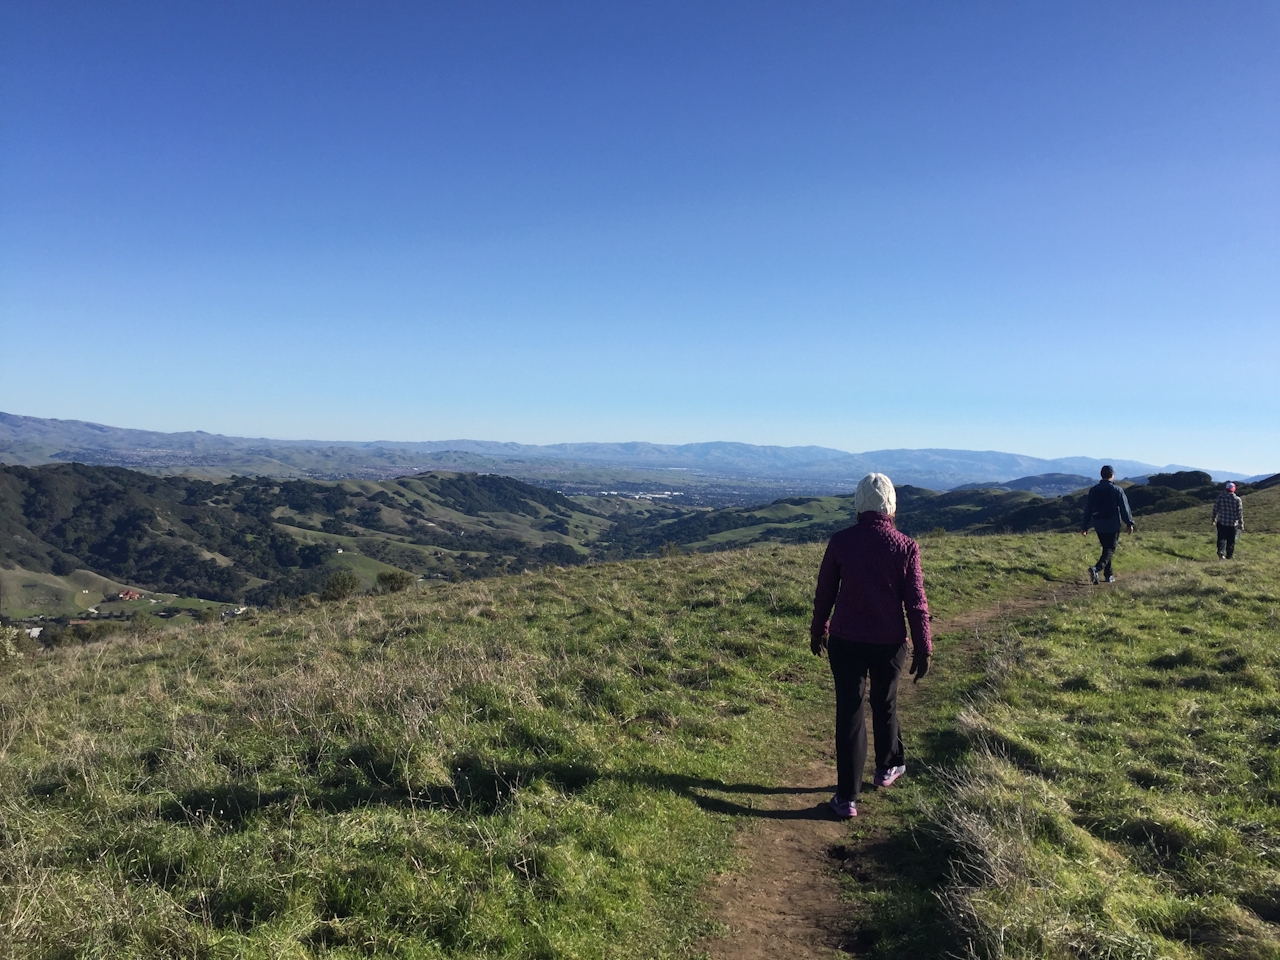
{"type": "Point", "coordinates": [747, 799]}
{"type": "Point", "coordinates": [483, 786]}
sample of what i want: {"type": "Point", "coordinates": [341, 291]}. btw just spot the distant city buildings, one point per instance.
{"type": "Point", "coordinates": [660, 495]}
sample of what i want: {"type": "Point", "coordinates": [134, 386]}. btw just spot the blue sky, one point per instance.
{"type": "Point", "coordinates": [1049, 228]}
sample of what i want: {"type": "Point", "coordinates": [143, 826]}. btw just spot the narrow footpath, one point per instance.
{"type": "Point", "coordinates": [785, 901]}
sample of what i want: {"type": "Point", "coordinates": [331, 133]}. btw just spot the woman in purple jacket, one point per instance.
{"type": "Point", "coordinates": [870, 574]}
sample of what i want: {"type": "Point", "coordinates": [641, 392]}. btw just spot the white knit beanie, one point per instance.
{"type": "Point", "coordinates": [876, 494]}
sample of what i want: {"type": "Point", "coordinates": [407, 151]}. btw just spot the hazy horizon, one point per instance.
{"type": "Point", "coordinates": [1215, 469]}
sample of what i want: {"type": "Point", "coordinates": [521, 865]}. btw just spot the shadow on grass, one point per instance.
{"type": "Point", "coordinates": [890, 880]}
{"type": "Point", "coordinates": [1175, 553]}
{"type": "Point", "coordinates": [702, 791]}
{"type": "Point", "coordinates": [336, 778]}
{"type": "Point", "coordinates": [944, 745]}
{"type": "Point", "coordinates": [364, 776]}
{"type": "Point", "coordinates": [479, 786]}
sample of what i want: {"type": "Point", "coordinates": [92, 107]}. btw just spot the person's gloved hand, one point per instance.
{"type": "Point", "coordinates": [817, 643]}
{"type": "Point", "coordinates": [919, 665]}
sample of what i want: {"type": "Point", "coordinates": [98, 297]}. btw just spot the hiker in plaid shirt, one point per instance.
{"type": "Point", "coordinates": [1228, 514]}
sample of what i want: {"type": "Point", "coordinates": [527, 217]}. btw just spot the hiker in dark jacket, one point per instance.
{"type": "Point", "coordinates": [1228, 516]}
{"type": "Point", "coordinates": [1106, 510]}
{"type": "Point", "coordinates": [870, 573]}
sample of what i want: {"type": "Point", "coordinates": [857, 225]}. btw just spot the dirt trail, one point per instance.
{"type": "Point", "coordinates": [785, 901]}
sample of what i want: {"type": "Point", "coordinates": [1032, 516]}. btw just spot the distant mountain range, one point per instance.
{"type": "Point", "coordinates": [577, 467]}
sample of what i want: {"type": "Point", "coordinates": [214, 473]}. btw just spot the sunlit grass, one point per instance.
{"type": "Point", "coordinates": [543, 765]}
{"type": "Point", "coordinates": [500, 768]}
{"type": "Point", "coordinates": [1122, 799]}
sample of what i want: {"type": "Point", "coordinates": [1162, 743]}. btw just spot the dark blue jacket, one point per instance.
{"type": "Point", "coordinates": [1107, 508]}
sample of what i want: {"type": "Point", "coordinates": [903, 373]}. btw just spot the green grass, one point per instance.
{"type": "Point", "coordinates": [26, 593]}
{"type": "Point", "coordinates": [521, 767]}
{"type": "Point", "coordinates": [366, 568]}
{"type": "Point", "coordinates": [542, 765]}
{"type": "Point", "coordinates": [965, 572]}
{"type": "Point", "coordinates": [1121, 799]}
{"type": "Point", "coordinates": [1261, 515]}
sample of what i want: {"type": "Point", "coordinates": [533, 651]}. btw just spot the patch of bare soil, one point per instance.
{"type": "Point", "coordinates": [785, 900]}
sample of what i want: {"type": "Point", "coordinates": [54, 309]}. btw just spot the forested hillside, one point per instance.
{"type": "Point", "coordinates": [260, 539]}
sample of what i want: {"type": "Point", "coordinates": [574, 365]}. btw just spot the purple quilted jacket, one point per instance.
{"type": "Point", "coordinates": [870, 574]}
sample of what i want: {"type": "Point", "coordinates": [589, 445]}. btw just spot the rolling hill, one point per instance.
{"type": "Point", "coordinates": [1044, 485]}
{"type": "Point", "coordinates": [261, 539]}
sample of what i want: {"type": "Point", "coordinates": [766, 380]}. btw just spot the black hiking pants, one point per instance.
{"type": "Point", "coordinates": [1226, 540]}
{"type": "Point", "coordinates": [852, 664]}
{"type": "Point", "coordinates": [1108, 541]}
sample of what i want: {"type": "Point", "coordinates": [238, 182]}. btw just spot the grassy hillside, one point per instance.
{"type": "Point", "coordinates": [533, 766]}
{"type": "Point", "coordinates": [26, 593]}
{"type": "Point", "coordinates": [499, 769]}
{"type": "Point", "coordinates": [1261, 515]}
{"type": "Point", "coordinates": [1123, 794]}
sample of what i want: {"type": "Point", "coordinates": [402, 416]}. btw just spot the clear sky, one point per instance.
{"type": "Point", "coordinates": [1047, 228]}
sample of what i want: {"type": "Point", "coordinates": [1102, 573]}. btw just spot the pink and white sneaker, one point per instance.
{"type": "Point", "coordinates": [844, 809]}
{"type": "Point", "coordinates": [885, 776]}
